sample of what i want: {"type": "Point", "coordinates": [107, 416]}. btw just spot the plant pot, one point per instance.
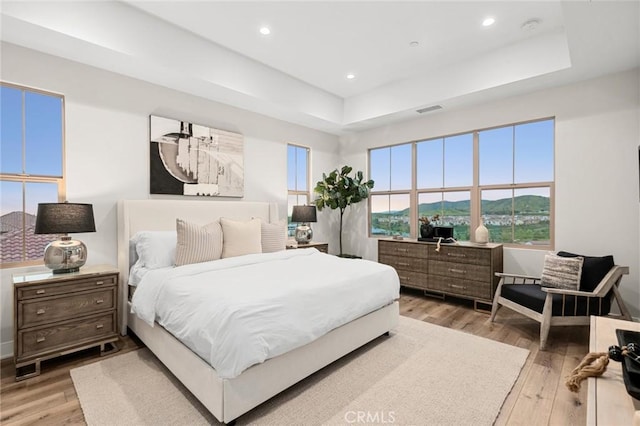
{"type": "Point", "coordinates": [426, 231]}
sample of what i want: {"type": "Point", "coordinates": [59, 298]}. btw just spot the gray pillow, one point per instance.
{"type": "Point", "coordinates": [562, 272]}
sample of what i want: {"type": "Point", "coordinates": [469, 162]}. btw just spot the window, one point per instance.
{"type": "Point", "coordinates": [502, 176]}
{"type": "Point", "coordinates": [31, 169]}
{"type": "Point", "coordinates": [297, 180]}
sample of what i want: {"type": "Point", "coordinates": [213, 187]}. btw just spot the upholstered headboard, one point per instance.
{"type": "Point", "coordinates": [161, 215]}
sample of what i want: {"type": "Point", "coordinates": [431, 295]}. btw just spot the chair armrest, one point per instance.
{"type": "Point", "coordinates": [567, 292]}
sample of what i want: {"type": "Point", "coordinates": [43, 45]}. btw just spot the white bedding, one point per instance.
{"type": "Point", "coordinates": [241, 311]}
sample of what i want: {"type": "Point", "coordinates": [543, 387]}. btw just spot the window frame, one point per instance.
{"type": "Point", "coordinates": [475, 190]}
{"type": "Point", "coordinates": [25, 178]}
{"type": "Point", "coordinates": [298, 192]}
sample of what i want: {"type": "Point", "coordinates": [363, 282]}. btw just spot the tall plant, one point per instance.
{"type": "Point", "coordinates": [338, 190]}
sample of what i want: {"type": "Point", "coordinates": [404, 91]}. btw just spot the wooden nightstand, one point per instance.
{"type": "Point", "coordinates": [58, 314]}
{"type": "Point", "coordinates": [323, 247]}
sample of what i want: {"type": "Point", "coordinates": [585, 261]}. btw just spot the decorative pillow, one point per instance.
{"type": "Point", "coordinates": [240, 238]}
{"type": "Point", "coordinates": [274, 236]}
{"type": "Point", "coordinates": [594, 269]}
{"type": "Point", "coordinates": [562, 272]}
{"type": "Point", "coordinates": [197, 243]}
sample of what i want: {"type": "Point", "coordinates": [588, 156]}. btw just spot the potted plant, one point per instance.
{"type": "Point", "coordinates": [338, 190]}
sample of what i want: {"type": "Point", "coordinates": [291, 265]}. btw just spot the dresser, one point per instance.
{"type": "Point", "coordinates": [323, 247]}
{"type": "Point", "coordinates": [56, 314]}
{"type": "Point", "coordinates": [464, 270]}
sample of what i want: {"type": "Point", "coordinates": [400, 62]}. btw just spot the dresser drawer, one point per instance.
{"type": "Point", "coordinates": [462, 255]}
{"type": "Point", "coordinates": [465, 271]}
{"type": "Point", "coordinates": [412, 279]}
{"type": "Point", "coordinates": [413, 264]}
{"type": "Point", "coordinates": [393, 248]}
{"type": "Point", "coordinates": [461, 287]}
{"type": "Point", "coordinates": [40, 311]}
{"type": "Point", "coordinates": [54, 289]}
{"type": "Point", "coordinates": [71, 332]}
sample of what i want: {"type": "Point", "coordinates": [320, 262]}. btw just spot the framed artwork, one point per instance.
{"type": "Point", "coordinates": [190, 159]}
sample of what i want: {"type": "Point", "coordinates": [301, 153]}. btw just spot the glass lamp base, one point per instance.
{"type": "Point", "coordinates": [303, 234]}
{"type": "Point", "coordinates": [65, 255]}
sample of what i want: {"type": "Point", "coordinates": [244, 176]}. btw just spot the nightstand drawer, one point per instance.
{"type": "Point", "coordinates": [40, 311]}
{"type": "Point", "coordinates": [61, 335]}
{"type": "Point", "coordinates": [54, 289]}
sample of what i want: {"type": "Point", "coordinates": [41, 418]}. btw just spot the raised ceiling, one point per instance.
{"type": "Point", "coordinates": [298, 72]}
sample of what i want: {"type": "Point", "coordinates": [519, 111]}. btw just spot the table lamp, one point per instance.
{"type": "Point", "coordinates": [64, 255]}
{"type": "Point", "coordinates": [303, 215]}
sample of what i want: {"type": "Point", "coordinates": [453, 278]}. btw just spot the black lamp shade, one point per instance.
{"type": "Point", "coordinates": [304, 214]}
{"type": "Point", "coordinates": [64, 218]}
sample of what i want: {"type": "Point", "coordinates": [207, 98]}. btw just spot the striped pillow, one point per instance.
{"type": "Point", "coordinates": [197, 243]}
{"type": "Point", "coordinates": [562, 272]}
{"type": "Point", "coordinates": [274, 236]}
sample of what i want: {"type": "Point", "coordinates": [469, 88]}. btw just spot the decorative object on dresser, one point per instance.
{"type": "Point", "coordinates": [190, 159]}
{"type": "Point", "coordinates": [482, 233]}
{"type": "Point", "coordinates": [58, 314]}
{"type": "Point", "coordinates": [338, 190]}
{"type": "Point", "coordinates": [64, 255]}
{"type": "Point", "coordinates": [597, 287]}
{"type": "Point", "coordinates": [463, 270]}
{"type": "Point", "coordinates": [323, 247]}
{"type": "Point", "coordinates": [303, 215]}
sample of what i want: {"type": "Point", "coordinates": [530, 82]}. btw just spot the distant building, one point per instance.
{"type": "Point", "coordinates": [11, 238]}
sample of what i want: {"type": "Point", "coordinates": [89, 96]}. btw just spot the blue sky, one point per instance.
{"type": "Point", "coordinates": [42, 146]}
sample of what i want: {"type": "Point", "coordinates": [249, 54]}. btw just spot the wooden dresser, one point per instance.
{"type": "Point", "coordinates": [464, 270]}
{"type": "Point", "coordinates": [58, 314]}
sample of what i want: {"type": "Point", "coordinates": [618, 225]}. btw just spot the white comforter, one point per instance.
{"type": "Point", "coordinates": [241, 311]}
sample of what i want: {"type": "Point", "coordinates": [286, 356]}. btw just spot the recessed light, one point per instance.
{"type": "Point", "coordinates": [414, 44]}
{"type": "Point", "coordinates": [488, 22]}
{"type": "Point", "coordinates": [351, 76]}
{"type": "Point", "coordinates": [265, 31]}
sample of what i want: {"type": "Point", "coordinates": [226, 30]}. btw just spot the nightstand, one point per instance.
{"type": "Point", "coordinates": [57, 314]}
{"type": "Point", "coordinates": [323, 247]}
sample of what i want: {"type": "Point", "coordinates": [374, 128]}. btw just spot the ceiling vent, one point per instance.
{"type": "Point", "coordinates": [429, 109]}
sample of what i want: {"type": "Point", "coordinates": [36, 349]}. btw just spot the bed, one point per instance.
{"type": "Point", "coordinates": [228, 396]}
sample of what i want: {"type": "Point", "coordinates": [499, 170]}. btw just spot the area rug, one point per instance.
{"type": "Point", "coordinates": [421, 374]}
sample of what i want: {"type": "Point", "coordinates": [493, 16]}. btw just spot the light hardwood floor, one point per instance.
{"type": "Point", "coordinates": [539, 397]}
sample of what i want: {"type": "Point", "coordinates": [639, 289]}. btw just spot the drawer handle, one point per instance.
{"type": "Point", "coordinates": [404, 278]}
{"type": "Point", "coordinates": [98, 326]}
{"type": "Point", "coordinates": [40, 339]}
{"type": "Point", "coordinates": [40, 312]}
{"type": "Point", "coordinates": [404, 250]}
{"type": "Point", "coordinates": [457, 271]}
{"type": "Point", "coordinates": [456, 255]}
{"type": "Point", "coordinates": [99, 301]}
{"type": "Point", "coordinates": [461, 287]}
{"type": "Point", "coordinates": [402, 264]}
{"type": "Point", "coordinates": [41, 291]}
{"type": "Point", "coordinates": [99, 282]}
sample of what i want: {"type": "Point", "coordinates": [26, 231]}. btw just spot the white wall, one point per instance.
{"type": "Point", "coordinates": [596, 168]}
{"type": "Point", "coordinates": [107, 147]}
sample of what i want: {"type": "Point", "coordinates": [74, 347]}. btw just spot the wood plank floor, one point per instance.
{"type": "Point", "coordinates": [539, 397]}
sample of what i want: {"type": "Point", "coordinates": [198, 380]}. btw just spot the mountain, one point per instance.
{"type": "Point", "coordinates": [524, 204]}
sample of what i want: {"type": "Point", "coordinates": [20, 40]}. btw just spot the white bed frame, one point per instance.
{"type": "Point", "coordinates": [227, 399]}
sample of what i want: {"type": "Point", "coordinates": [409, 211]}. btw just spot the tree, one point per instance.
{"type": "Point", "coordinates": [338, 191]}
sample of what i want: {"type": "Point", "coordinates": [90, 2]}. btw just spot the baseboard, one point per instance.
{"type": "Point", "coordinates": [6, 349]}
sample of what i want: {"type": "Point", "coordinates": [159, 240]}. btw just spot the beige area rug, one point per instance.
{"type": "Point", "coordinates": [422, 374]}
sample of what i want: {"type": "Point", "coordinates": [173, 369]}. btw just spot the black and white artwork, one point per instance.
{"type": "Point", "coordinates": [190, 159]}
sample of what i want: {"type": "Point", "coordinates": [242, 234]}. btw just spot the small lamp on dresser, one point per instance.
{"type": "Point", "coordinates": [65, 255]}
{"type": "Point", "coordinates": [303, 215]}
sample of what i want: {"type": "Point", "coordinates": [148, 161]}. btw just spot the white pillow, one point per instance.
{"type": "Point", "coordinates": [154, 249]}
{"type": "Point", "coordinates": [562, 272]}
{"type": "Point", "coordinates": [274, 236]}
{"type": "Point", "coordinates": [197, 243]}
{"type": "Point", "coordinates": [240, 238]}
